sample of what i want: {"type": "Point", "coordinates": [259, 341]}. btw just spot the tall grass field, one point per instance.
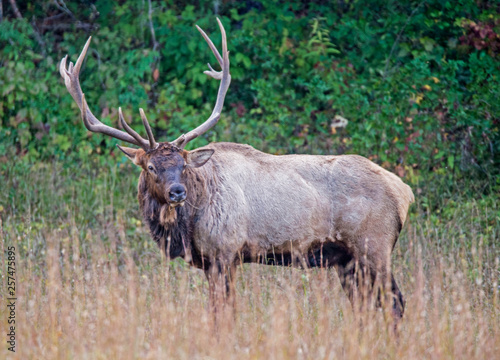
{"type": "Point", "coordinates": [91, 284]}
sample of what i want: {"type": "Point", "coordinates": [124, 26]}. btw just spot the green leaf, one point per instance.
{"type": "Point", "coordinates": [451, 161]}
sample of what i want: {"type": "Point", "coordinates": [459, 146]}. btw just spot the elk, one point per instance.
{"type": "Point", "coordinates": [225, 204]}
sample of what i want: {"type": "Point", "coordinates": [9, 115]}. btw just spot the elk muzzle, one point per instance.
{"type": "Point", "coordinates": [177, 194]}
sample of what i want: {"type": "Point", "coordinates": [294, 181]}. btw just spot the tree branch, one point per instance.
{"type": "Point", "coordinates": [61, 5]}
{"type": "Point", "coordinates": [151, 27]}
{"type": "Point", "coordinates": [15, 9]}
{"type": "Point", "coordinates": [38, 38]}
{"type": "Point", "coordinates": [386, 68]}
{"type": "Point", "coordinates": [63, 26]}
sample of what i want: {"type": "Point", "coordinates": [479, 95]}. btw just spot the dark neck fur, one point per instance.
{"type": "Point", "coordinates": [177, 237]}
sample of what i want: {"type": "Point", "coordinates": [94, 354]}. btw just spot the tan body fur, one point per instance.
{"type": "Point", "coordinates": [273, 204]}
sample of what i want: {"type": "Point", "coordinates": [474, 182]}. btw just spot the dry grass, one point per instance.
{"type": "Point", "coordinates": [91, 285]}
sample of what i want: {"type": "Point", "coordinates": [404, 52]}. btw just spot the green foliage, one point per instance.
{"type": "Point", "coordinates": [418, 82]}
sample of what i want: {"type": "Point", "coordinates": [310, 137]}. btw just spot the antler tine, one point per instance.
{"type": "Point", "coordinates": [127, 128]}
{"type": "Point", "coordinates": [211, 45]}
{"type": "Point", "coordinates": [70, 75]}
{"type": "Point", "coordinates": [224, 76]}
{"type": "Point", "coordinates": [152, 143]}
{"type": "Point", "coordinates": [80, 59]}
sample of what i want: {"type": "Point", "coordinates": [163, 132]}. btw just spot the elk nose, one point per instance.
{"type": "Point", "coordinates": [177, 193]}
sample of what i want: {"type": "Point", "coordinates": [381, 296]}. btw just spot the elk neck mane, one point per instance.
{"type": "Point", "coordinates": [172, 228]}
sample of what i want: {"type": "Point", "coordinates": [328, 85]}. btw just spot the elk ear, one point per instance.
{"type": "Point", "coordinates": [132, 154]}
{"type": "Point", "coordinates": [197, 158]}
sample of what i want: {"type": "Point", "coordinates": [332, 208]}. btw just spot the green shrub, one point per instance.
{"type": "Point", "coordinates": [418, 82]}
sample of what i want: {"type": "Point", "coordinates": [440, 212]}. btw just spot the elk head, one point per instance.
{"type": "Point", "coordinates": [164, 170]}
{"type": "Point", "coordinates": [163, 164]}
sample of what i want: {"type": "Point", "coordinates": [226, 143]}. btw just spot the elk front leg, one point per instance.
{"type": "Point", "coordinates": [221, 285]}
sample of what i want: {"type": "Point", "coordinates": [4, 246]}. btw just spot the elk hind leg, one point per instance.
{"type": "Point", "coordinates": [398, 304]}
{"type": "Point", "coordinates": [364, 278]}
{"type": "Point", "coordinates": [383, 287]}
{"type": "Point", "coordinates": [340, 257]}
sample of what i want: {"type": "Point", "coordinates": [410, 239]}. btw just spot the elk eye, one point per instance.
{"type": "Point", "coordinates": [151, 168]}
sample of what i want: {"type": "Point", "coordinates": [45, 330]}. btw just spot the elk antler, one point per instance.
{"type": "Point", "coordinates": [225, 80]}
{"type": "Point", "coordinates": [70, 76]}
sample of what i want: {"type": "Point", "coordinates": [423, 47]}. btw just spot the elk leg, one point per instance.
{"type": "Point", "coordinates": [361, 276]}
{"type": "Point", "coordinates": [221, 285]}
{"type": "Point", "coordinates": [228, 278]}
{"type": "Point", "coordinates": [355, 283]}
{"type": "Point", "coordinates": [387, 290]}
{"type": "Point", "coordinates": [338, 255]}
{"type": "Point", "coordinates": [378, 283]}
{"type": "Point", "coordinates": [211, 289]}
{"type": "Point", "coordinates": [355, 275]}
{"type": "Point", "coordinates": [214, 286]}
{"type": "Point", "coordinates": [398, 305]}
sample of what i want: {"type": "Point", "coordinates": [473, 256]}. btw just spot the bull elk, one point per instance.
{"type": "Point", "coordinates": [225, 204]}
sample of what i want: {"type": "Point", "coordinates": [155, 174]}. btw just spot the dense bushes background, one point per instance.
{"type": "Point", "coordinates": [418, 81]}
